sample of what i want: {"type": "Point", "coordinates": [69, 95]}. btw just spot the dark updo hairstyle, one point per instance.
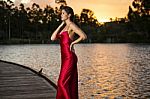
{"type": "Point", "coordinates": [68, 10]}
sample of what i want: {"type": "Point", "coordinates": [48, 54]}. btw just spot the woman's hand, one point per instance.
{"type": "Point", "coordinates": [71, 47]}
{"type": "Point", "coordinates": [54, 34]}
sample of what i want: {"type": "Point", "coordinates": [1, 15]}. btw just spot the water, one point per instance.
{"type": "Point", "coordinates": [106, 71]}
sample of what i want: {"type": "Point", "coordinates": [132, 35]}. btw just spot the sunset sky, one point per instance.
{"type": "Point", "coordinates": [103, 9]}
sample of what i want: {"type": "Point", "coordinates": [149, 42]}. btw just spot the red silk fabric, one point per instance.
{"type": "Point", "coordinates": [67, 85]}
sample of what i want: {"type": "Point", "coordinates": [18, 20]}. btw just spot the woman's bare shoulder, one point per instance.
{"type": "Point", "coordinates": [73, 26]}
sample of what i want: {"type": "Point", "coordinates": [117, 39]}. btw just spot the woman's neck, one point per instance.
{"type": "Point", "coordinates": [67, 22]}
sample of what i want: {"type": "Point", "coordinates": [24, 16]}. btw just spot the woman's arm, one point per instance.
{"type": "Point", "coordinates": [53, 36]}
{"type": "Point", "coordinates": [77, 30]}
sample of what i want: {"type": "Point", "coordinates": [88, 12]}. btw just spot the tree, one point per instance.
{"type": "Point", "coordinates": [87, 17]}
{"type": "Point", "coordinates": [35, 16]}
{"type": "Point", "coordinates": [61, 2]}
{"type": "Point", "coordinates": [139, 16]}
{"type": "Point", "coordinates": [89, 23]}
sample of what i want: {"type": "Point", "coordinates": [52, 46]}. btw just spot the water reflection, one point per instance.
{"type": "Point", "coordinates": [106, 71]}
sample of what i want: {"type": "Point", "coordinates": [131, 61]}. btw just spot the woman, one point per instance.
{"type": "Point", "coordinates": [67, 85]}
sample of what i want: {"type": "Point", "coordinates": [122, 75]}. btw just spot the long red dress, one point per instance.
{"type": "Point", "coordinates": [67, 85]}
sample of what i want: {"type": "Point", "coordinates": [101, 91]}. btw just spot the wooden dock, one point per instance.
{"type": "Point", "coordinates": [20, 82]}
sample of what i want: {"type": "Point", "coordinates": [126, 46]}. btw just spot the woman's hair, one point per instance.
{"type": "Point", "coordinates": [68, 10]}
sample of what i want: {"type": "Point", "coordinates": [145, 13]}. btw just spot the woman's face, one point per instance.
{"type": "Point", "coordinates": [64, 15]}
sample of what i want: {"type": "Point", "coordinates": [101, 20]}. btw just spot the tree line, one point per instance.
{"type": "Point", "coordinates": [35, 25]}
{"type": "Point", "coordinates": [134, 28]}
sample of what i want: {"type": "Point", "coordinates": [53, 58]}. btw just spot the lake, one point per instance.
{"type": "Point", "coordinates": [106, 71]}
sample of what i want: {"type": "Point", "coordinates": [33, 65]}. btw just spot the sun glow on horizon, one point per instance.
{"type": "Point", "coordinates": [103, 20]}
